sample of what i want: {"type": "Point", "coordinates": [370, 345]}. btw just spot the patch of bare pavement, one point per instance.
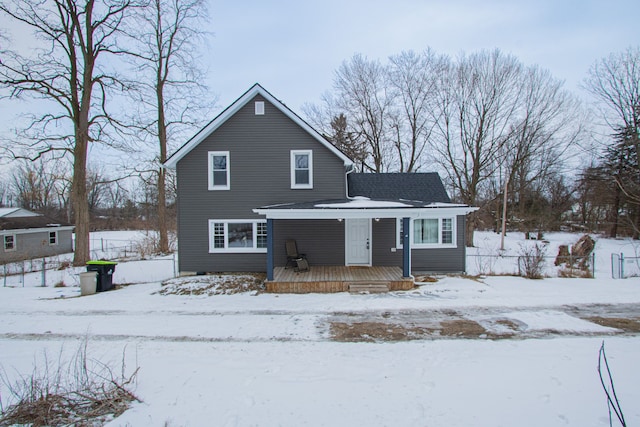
{"type": "Point", "coordinates": [493, 323]}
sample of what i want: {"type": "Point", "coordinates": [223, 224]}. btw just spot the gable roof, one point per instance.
{"type": "Point", "coordinates": [256, 89]}
{"type": "Point", "coordinates": [16, 213]}
{"type": "Point", "coordinates": [424, 187]}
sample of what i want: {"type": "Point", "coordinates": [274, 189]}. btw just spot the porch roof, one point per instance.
{"type": "Point", "coordinates": [362, 207]}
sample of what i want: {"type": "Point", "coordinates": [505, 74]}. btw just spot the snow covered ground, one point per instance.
{"type": "Point", "coordinates": [255, 359]}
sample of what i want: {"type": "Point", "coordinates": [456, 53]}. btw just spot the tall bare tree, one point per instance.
{"type": "Point", "coordinates": [172, 97]}
{"type": "Point", "coordinates": [414, 78]}
{"type": "Point", "coordinates": [71, 73]}
{"type": "Point", "coordinates": [363, 94]}
{"type": "Point", "coordinates": [547, 125]}
{"type": "Point", "coordinates": [615, 83]}
{"type": "Point", "coordinates": [478, 101]}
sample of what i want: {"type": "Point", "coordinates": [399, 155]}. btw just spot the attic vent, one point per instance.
{"type": "Point", "coordinates": [259, 108]}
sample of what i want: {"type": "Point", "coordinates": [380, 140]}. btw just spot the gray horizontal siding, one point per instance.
{"type": "Point", "coordinates": [259, 150]}
{"type": "Point", "coordinates": [322, 241]}
{"type": "Point", "coordinates": [445, 260]}
{"type": "Point", "coordinates": [36, 245]}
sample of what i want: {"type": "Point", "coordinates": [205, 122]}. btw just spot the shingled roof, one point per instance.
{"type": "Point", "coordinates": [425, 187]}
{"type": "Point", "coordinates": [27, 222]}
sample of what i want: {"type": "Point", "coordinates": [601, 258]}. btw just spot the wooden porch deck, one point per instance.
{"type": "Point", "coordinates": [324, 279]}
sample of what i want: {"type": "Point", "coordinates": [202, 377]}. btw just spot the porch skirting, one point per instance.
{"type": "Point", "coordinates": [327, 279]}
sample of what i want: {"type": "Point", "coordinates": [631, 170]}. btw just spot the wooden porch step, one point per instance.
{"type": "Point", "coordinates": [368, 288]}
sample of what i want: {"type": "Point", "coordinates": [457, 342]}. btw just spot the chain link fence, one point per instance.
{"type": "Point", "coordinates": [623, 267]}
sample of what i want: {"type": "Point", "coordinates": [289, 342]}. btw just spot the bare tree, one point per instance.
{"type": "Point", "coordinates": [72, 74]}
{"type": "Point", "coordinates": [34, 187]}
{"type": "Point", "coordinates": [415, 80]}
{"type": "Point", "coordinates": [547, 125]}
{"type": "Point", "coordinates": [363, 94]}
{"type": "Point", "coordinates": [615, 83]}
{"type": "Point", "coordinates": [172, 97]}
{"type": "Point", "coordinates": [478, 100]}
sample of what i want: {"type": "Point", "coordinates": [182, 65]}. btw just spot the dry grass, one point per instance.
{"type": "Point", "coordinates": [215, 284]}
{"type": "Point", "coordinates": [80, 392]}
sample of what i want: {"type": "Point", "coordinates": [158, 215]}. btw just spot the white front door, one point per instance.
{"type": "Point", "coordinates": [358, 242]}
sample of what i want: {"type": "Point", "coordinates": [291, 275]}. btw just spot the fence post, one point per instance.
{"type": "Point", "coordinates": [5, 275]}
{"type": "Point", "coordinates": [621, 265]}
{"type": "Point", "coordinates": [174, 266]}
{"type": "Point", "coordinates": [44, 273]}
{"type": "Point", "coordinates": [102, 243]}
{"type": "Point", "coordinates": [22, 264]}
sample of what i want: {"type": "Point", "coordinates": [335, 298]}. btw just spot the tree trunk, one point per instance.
{"type": "Point", "coordinates": [163, 239]}
{"type": "Point", "coordinates": [470, 228]}
{"type": "Point", "coordinates": [79, 200]}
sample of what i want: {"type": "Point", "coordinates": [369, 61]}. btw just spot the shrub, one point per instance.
{"type": "Point", "coordinates": [531, 261]}
{"type": "Point", "coordinates": [82, 391]}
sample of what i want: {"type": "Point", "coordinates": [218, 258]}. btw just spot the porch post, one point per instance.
{"type": "Point", "coordinates": [406, 250]}
{"type": "Point", "coordinates": [269, 249]}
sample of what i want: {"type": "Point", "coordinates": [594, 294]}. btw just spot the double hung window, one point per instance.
{"type": "Point", "coordinates": [9, 242]}
{"type": "Point", "coordinates": [301, 169]}
{"type": "Point", "coordinates": [218, 169]}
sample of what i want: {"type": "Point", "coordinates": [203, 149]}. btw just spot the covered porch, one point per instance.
{"type": "Point", "coordinates": [337, 279]}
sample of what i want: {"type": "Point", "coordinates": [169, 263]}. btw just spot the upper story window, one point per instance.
{"type": "Point", "coordinates": [9, 243]}
{"type": "Point", "coordinates": [53, 238]}
{"type": "Point", "coordinates": [259, 108]}
{"type": "Point", "coordinates": [301, 169]}
{"type": "Point", "coordinates": [219, 170]}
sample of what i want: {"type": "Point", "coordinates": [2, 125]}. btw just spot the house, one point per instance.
{"type": "Point", "coordinates": [258, 175]}
{"type": "Point", "coordinates": [27, 235]}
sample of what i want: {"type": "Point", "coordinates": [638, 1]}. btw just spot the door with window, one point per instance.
{"type": "Point", "coordinates": [358, 241]}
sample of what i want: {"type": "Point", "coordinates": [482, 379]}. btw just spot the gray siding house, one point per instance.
{"type": "Point", "coordinates": [258, 175]}
{"type": "Point", "coordinates": [27, 235]}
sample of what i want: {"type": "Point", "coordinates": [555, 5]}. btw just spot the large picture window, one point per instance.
{"type": "Point", "coordinates": [237, 236]}
{"type": "Point", "coordinates": [428, 232]}
{"type": "Point", "coordinates": [301, 169]}
{"type": "Point", "coordinates": [219, 170]}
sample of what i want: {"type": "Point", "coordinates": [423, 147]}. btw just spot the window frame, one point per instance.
{"type": "Point", "coordinates": [13, 243]}
{"type": "Point", "coordinates": [294, 183]}
{"type": "Point", "coordinates": [210, 169]}
{"type": "Point", "coordinates": [439, 244]}
{"type": "Point", "coordinates": [256, 233]}
{"type": "Point", "coordinates": [53, 234]}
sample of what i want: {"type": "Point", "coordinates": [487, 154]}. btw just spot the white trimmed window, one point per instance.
{"type": "Point", "coordinates": [53, 238]}
{"type": "Point", "coordinates": [237, 236]}
{"type": "Point", "coordinates": [429, 233]}
{"type": "Point", "coordinates": [301, 169]}
{"type": "Point", "coordinates": [9, 242]}
{"type": "Point", "coordinates": [219, 170]}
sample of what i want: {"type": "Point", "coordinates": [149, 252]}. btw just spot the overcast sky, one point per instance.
{"type": "Point", "coordinates": [293, 47]}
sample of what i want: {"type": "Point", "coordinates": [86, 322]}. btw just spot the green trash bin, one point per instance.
{"type": "Point", "coordinates": [105, 271]}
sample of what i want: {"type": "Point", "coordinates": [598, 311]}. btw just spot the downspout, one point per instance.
{"type": "Point", "coordinates": [350, 169]}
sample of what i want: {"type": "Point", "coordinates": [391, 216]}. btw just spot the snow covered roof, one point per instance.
{"type": "Point", "coordinates": [16, 213]}
{"type": "Point", "coordinates": [361, 207]}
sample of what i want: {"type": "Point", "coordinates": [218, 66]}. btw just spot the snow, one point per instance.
{"type": "Point", "coordinates": [265, 359]}
{"type": "Point", "coordinates": [361, 202]}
